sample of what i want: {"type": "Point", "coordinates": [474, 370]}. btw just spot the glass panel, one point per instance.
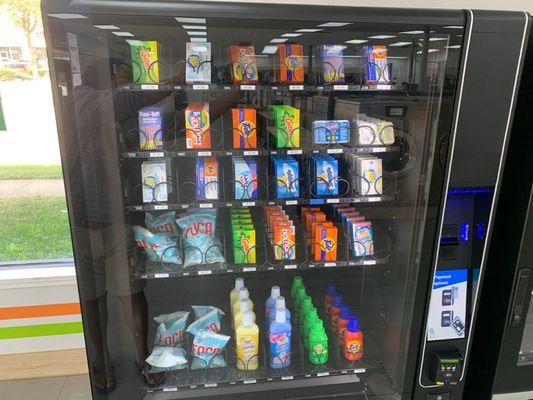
{"type": "Point", "coordinates": [200, 150]}
{"type": "Point", "coordinates": [525, 356]}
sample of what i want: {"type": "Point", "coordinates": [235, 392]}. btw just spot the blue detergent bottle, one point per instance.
{"type": "Point", "coordinates": [271, 301]}
{"type": "Point", "coordinates": [280, 341]}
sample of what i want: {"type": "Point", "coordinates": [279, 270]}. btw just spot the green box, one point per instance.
{"type": "Point", "coordinates": [144, 61]}
{"type": "Point", "coordinates": [244, 244]}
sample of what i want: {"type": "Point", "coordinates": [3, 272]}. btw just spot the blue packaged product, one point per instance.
{"type": "Point", "coordinates": [326, 172]}
{"type": "Point", "coordinates": [164, 223]}
{"type": "Point", "coordinates": [287, 177]}
{"type": "Point", "coordinates": [206, 178]}
{"type": "Point", "coordinates": [377, 70]}
{"type": "Point", "coordinates": [245, 178]}
{"type": "Point", "coordinates": [280, 340]}
{"type": "Point", "coordinates": [151, 128]}
{"type": "Point", "coordinates": [209, 321]}
{"type": "Point", "coordinates": [332, 57]}
{"type": "Point", "coordinates": [171, 328]}
{"type": "Point", "coordinates": [362, 238]}
{"type": "Point", "coordinates": [159, 247]}
{"type": "Point", "coordinates": [331, 131]}
{"type": "Point", "coordinates": [199, 242]}
{"type": "Point", "coordinates": [207, 349]}
{"type": "Point", "coordinates": [163, 358]}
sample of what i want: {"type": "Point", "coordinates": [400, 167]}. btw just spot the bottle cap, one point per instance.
{"type": "Point", "coordinates": [297, 281]}
{"type": "Point", "coordinates": [331, 290]}
{"type": "Point", "coordinates": [337, 301]}
{"type": "Point", "coordinates": [275, 292]}
{"type": "Point", "coordinates": [243, 293]}
{"type": "Point", "coordinates": [345, 311]}
{"type": "Point", "coordinates": [280, 302]}
{"type": "Point", "coordinates": [239, 283]}
{"type": "Point", "coordinates": [245, 305]}
{"type": "Point", "coordinates": [247, 318]}
{"type": "Point", "coordinates": [353, 324]}
{"type": "Point", "coordinates": [280, 315]}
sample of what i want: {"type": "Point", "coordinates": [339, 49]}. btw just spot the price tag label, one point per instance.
{"type": "Point", "coordinates": [374, 199]}
{"type": "Point", "coordinates": [290, 266]}
{"type": "Point", "coordinates": [334, 151]}
{"type": "Point", "coordinates": [205, 205]}
{"type": "Point", "coordinates": [156, 154]}
{"type": "Point", "coordinates": [161, 207]}
{"type": "Point", "coordinates": [159, 276]}
{"type": "Point", "coordinates": [200, 87]}
{"type": "Point", "coordinates": [340, 87]}
{"type": "Point", "coordinates": [287, 378]}
{"type": "Point", "coordinates": [291, 202]}
{"type": "Point", "coordinates": [248, 203]}
{"type": "Point", "coordinates": [322, 374]}
{"type": "Point", "coordinates": [185, 206]}
{"type": "Point", "coordinates": [383, 87]}
{"type": "Point", "coordinates": [208, 385]}
{"type": "Point", "coordinates": [131, 155]}
{"type": "Point", "coordinates": [204, 153]}
{"type": "Point", "coordinates": [380, 149]}
{"type": "Point", "coordinates": [294, 151]}
{"type": "Point", "coordinates": [296, 87]}
{"type": "Point", "coordinates": [149, 87]}
{"type": "Point", "coordinates": [330, 264]}
{"type": "Point", "coordinates": [359, 371]}
{"type": "Point", "coordinates": [227, 87]}
{"type": "Point", "coordinates": [170, 389]}
{"type": "Point", "coordinates": [248, 381]}
{"type": "Point", "coordinates": [178, 87]}
{"type": "Point", "coordinates": [249, 269]}
{"type": "Point", "coordinates": [250, 152]}
{"type": "Point", "coordinates": [369, 262]}
{"type": "Point", "coordinates": [247, 87]}
{"type": "Point", "coordinates": [206, 272]}
{"type": "Point", "coordinates": [332, 201]}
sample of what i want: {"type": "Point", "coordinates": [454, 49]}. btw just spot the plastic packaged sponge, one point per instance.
{"type": "Point", "coordinates": [207, 350]}
{"type": "Point", "coordinates": [207, 318]}
{"type": "Point", "coordinates": [165, 358]}
{"type": "Point", "coordinates": [159, 247]}
{"type": "Point", "coordinates": [171, 328]}
{"type": "Point", "coordinates": [164, 223]}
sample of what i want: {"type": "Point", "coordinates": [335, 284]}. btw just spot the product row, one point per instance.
{"type": "Point", "coordinates": [253, 178]}
{"type": "Point", "coordinates": [286, 64]}
{"type": "Point", "coordinates": [283, 129]}
{"type": "Point", "coordinates": [320, 326]}
{"type": "Point", "coordinates": [267, 236]}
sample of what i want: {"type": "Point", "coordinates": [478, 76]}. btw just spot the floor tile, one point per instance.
{"type": "Point", "coordinates": [76, 388]}
{"type": "Point", "coordinates": [31, 389]}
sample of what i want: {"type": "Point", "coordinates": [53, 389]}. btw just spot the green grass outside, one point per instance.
{"type": "Point", "coordinates": [30, 172]}
{"type": "Point", "coordinates": [34, 228]}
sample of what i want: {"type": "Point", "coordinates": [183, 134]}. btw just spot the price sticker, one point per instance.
{"type": "Point", "coordinates": [290, 266]}
{"type": "Point", "coordinates": [204, 153]}
{"type": "Point", "coordinates": [250, 152]}
{"type": "Point", "coordinates": [159, 276]}
{"type": "Point", "coordinates": [334, 151]}
{"type": "Point", "coordinates": [161, 207]}
{"type": "Point", "coordinates": [170, 389]}
{"type": "Point", "coordinates": [200, 87]}
{"type": "Point", "coordinates": [248, 381]}
{"type": "Point", "coordinates": [291, 202]}
{"type": "Point", "coordinates": [149, 87]}
{"type": "Point", "coordinates": [249, 269]}
{"type": "Point", "coordinates": [340, 87]}
{"type": "Point", "coordinates": [380, 149]}
{"type": "Point", "coordinates": [332, 201]}
{"type": "Point", "coordinates": [208, 385]}
{"type": "Point", "coordinates": [294, 151]}
{"type": "Point", "coordinates": [330, 264]}
{"type": "Point", "coordinates": [374, 199]}
{"type": "Point", "coordinates": [247, 87]}
{"type": "Point", "coordinates": [248, 203]}
{"type": "Point", "coordinates": [322, 374]}
{"type": "Point", "coordinates": [206, 272]}
{"type": "Point", "coordinates": [205, 205]}
{"type": "Point", "coordinates": [296, 87]}
{"type": "Point", "coordinates": [287, 378]}
{"type": "Point", "coordinates": [369, 262]}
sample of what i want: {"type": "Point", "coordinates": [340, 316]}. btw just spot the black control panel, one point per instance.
{"type": "Point", "coordinates": [446, 368]}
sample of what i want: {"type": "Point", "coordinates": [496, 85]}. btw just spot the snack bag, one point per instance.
{"type": "Point", "coordinates": [207, 350]}
{"type": "Point", "coordinates": [199, 242]}
{"type": "Point", "coordinates": [165, 358]}
{"type": "Point", "coordinates": [209, 321]}
{"type": "Point", "coordinates": [171, 328]}
{"type": "Point", "coordinates": [164, 223]}
{"type": "Point", "coordinates": [159, 247]}
{"type": "Point", "coordinates": [144, 61]}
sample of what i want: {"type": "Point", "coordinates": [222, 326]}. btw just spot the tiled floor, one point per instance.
{"type": "Point", "coordinates": [62, 388]}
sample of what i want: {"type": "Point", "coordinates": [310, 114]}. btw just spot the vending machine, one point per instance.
{"type": "Point", "coordinates": [280, 201]}
{"type": "Point", "coordinates": [502, 353]}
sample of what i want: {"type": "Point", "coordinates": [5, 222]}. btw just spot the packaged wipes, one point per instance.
{"type": "Point", "coordinates": [167, 359]}
{"type": "Point", "coordinates": [164, 223]}
{"type": "Point", "coordinates": [171, 328]}
{"type": "Point", "coordinates": [207, 318]}
{"type": "Point", "coordinates": [207, 350]}
{"type": "Point", "coordinates": [159, 247]}
{"type": "Point", "coordinates": [199, 243]}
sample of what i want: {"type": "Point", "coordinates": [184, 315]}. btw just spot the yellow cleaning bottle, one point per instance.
{"type": "Point", "coordinates": [247, 343]}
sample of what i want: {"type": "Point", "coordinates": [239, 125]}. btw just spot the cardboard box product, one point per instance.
{"type": "Point", "coordinates": [207, 184]}
{"type": "Point", "coordinates": [244, 244]}
{"type": "Point", "coordinates": [290, 66]}
{"type": "Point", "coordinates": [284, 242]}
{"type": "Point", "coordinates": [332, 59]}
{"type": "Point", "coordinates": [154, 179]}
{"type": "Point", "coordinates": [145, 61]}
{"type": "Point", "coordinates": [244, 128]}
{"type": "Point", "coordinates": [243, 64]}
{"type": "Point", "coordinates": [377, 69]}
{"type": "Point", "coordinates": [197, 126]}
{"type": "Point", "coordinates": [361, 238]}
{"type": "Point", "coordinates": [286, 128]}
{"type": "Point", "coordinates": [198, 62]}
{"type": "Point", "coordinates": [245, 178]}
{"type": "Point", "coordinates": [331, 131]}
{"type": "Point", "coordinates": [150, 128]}
{"type": "Point", "coordinates": [325, 243]}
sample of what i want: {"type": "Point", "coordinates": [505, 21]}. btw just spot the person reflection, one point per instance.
{"type": "Point", "coordinates": [104, 237]}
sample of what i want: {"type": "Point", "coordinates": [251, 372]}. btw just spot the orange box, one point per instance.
{"type": "Point", "coordinates": [243, 64]}
{"type": "Point", "coordinates": [325, 244]}
{"type": "Point", "coordinates": [306, 210]}
{"type": "Point", "coordinates": [197, 126]}
{"type": "Point", "coordinates": [284, 242]}
{"type": "Point", "coordinates": [290, 63]}
{"type": "Point", "coordinates": [309, 218]}
{"type": "Point", "coordinates": [244, 128]}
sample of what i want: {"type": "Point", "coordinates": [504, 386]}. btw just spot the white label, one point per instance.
{"type": "Point", "coordinates": [383, 87]}
{"type": "Point", "coordinates": [330, 264]}
{"type": "Point", "coordinates": [206, 205]}
{"type": "Point", "coordinates": [291, 202]}
{"type": "Point", "coordinates": [274, 88]}
{"type": "Point", "coordinates": [374, 199]}
{"type": "Point", "coordinates": [331, 201]}
{"type": "Point", "coordinates": [130, 154]}
{"type": "Point", "coordinates": [369, 262]}
{"type": "Point", "coordinates": [248, 203]}
{"type": "Point", "coordinates": [177, 87]}
{"type": "Point", "coordinates": [149, 87]}
{"type": "Point", "coordinates": [250, 152]}
{"type": "Point", "coordinates": [287, 378]}
{"type": "Point", "coordinates": [207, 272]}
{"type": "Point", "coordinates": [200, 87]}
{"type": "Point", "coordinates": [157, 276]}
{"type": "Point", "coordinates": [157, 154]}
{"type": "Point", "coordinates": [340, 87]}
{"type": "Point", "coordinates": [248, 381]}
{"type": "Point", "coordinates": [161, 207]}
{"type": "Point", "coordinates": [294, 151]}
{"type": "Point", "coordinates": [204, 153]}
{"type": "Point", "coordinates": [247, 87]}
{"type": "Point", "coordinates": [296, 87]}
{"type": "Point", "coordinates": [359, 371]}
{"type": "Point", "coordinates": [334, 151]}
{"type": "Point", "coordinates": [208, 385]}
{"type": "Point", "coordinates": [322, 374]}
{"type": "Point", "coordinates": [248, 269]}
{"type": "Point", "coordinates": [170, 389]}
{"type": "Point", "coordinates": [380, 149]}
{"type": "Point", "coordinates": [290, 266]}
